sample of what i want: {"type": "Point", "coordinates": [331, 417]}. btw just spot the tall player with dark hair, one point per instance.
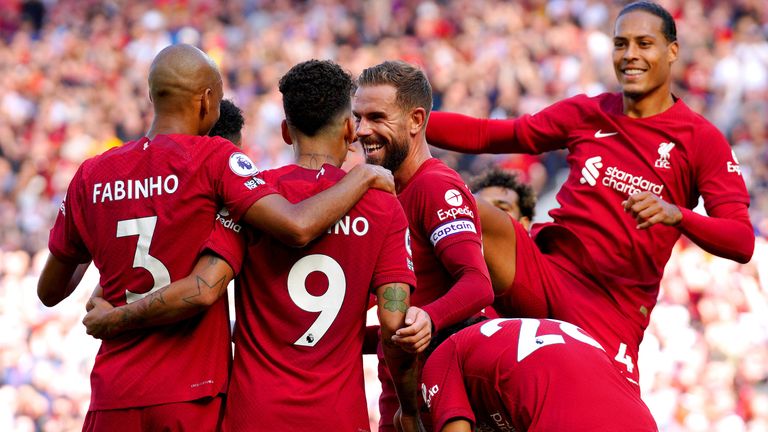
{"type": "Point", "coordinates": [391, 106]}
{"type": "Point", "coordinates": [143, 212]}
{"type": "Point", "coordinates": [301, 312]}
{"type": "Point", "coordinates": [527, 375]}
{"type": "Point", "coordinates": [639, 160]}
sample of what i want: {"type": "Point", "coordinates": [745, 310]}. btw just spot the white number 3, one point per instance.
{"type": "Point", "coordinates": [328, 304]}
{"type": "Point", "coordinates": [144, 228]}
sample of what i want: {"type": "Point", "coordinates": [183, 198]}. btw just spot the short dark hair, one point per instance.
{"type": "Point", "coordinates": [230, 123]}
{"type": "Point", "coordinates": [668, 23]}
{"type": "Point", "coordinates": [314, 93]}
{"type": "Point", "coordinates": [507, 180]}
{"type": "Point", "coordinates": [413, 88]}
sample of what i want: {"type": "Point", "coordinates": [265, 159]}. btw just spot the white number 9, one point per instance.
{"type": "Point", "coordinates": [328, 304]}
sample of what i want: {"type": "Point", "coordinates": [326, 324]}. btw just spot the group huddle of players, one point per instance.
{"type": "Point", "coordinates": [483, 325]}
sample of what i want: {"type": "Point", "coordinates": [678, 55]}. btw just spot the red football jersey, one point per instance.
{"type": "Point", "coordinates": [530, 375]}
{"type": "Point", "coordinates": [441, 211]}
{"type": "Point", "coordinates": [301, 313]}
{"type": "Point", "coordinates": [142, 212]}
{"type": "Point", "coordinates": [677, 155]}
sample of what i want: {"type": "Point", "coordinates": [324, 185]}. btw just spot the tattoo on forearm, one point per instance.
{"type": "Point", "coordinates": [217, 287]}
{"type": "Point", "coordinates": [394, 298]}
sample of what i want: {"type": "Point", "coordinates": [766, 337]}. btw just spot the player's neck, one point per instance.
{"type": "Point", "coordinates": [170, 125]}
{"type": "Point", "coordinates": [416, 157]}
{"type": "Point", "coordinates": [315, 161]}
{"type": "Point", "coordinates": [648, 105]}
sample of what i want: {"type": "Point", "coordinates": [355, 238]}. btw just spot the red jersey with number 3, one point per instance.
{"type": "Point", "coordinates": [142, 212]}
{"type": "Point", "coordinates": [530, 375]}
{"type": "Point", "coordinates": [301, 313]}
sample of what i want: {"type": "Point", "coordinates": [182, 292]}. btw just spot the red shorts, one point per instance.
{"type": "Point", "coordinates": [551, 286]}
{"type": "Point", "coordinates": [198, 415]}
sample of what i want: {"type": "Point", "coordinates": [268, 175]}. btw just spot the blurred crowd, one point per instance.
{"type": "Point", "coordinates": [73, 78]}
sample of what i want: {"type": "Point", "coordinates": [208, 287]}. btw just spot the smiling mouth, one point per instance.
{"type": "Point", "coordinates": [632, 72]}
{"type": "Point", "coordinates": [372, 147]}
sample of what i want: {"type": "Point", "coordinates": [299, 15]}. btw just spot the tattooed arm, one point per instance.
{"type": "Point", "coordinates": [181, 299]}
{"type": "Point", "coordinates": [394, 300]}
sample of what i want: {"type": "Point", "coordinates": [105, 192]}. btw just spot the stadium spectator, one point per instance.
{"type": "Point", "coordinates": [391, 107]}
{"type": "Point", "coordinates": [527, 374]}
{"type": "Point", "coordinates": [186, 90]}
{"type": "Point", "coordinates": [596, 266]}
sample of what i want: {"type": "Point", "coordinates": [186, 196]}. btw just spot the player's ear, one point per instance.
{"type": "Point", "coordinates": [205, 102]}
{"type": "Point", "coordinates": [349, 131]}
{"type": "Point", "coordinates": [286, 132]}
{"type": "Point", "coordinates": [417, 120]}
{"type": "Point", "coordinates": [672, 49]}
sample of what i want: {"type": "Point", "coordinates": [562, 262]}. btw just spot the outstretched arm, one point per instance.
{"type": "Point", "coordinates": [726, 232]}
{"type": "Point", "coordinates": [58, 280]}
{"type": "Point", "coordinates": [394, 300]}
{"type": "Point", "coordinates": [466, 134]}
{"type": "Point", "coordinates": [298, 224]}
{"type": "Point", "coordinates": [180, 300]}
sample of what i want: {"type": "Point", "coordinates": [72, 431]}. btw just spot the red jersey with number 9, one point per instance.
{"type": "Point", "coordinates": [142, 212]}
{"type": "Point", "coordinates": [301, 313]}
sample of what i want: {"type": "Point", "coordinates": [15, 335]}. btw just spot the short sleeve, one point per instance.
{"type": "Point", "coordinates": [443, 387]}
{"type": "Point", "coordinates": [227, 240]}
{"type": "Point", "coordinates": [236, 179]}
{"type": "Point", "coordinates": [394, 263]}
{"type": "Point", "coordinates": [65, 241]}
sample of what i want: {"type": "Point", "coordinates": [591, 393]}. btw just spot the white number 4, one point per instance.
{"type": "Point", "coordinates": [624, 359]}
{"type": "Point", "coordinates": [145, 229]}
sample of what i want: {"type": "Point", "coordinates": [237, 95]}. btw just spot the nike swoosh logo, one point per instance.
{"type": "Point", "coordinates": [600, 134]}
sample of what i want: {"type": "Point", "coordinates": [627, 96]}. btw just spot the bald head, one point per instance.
{"type": "Point", "coordinates": [180, 72]}
{"type": "Point", "coordinates": [186, 90]}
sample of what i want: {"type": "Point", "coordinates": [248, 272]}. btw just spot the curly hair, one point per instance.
{"type": "Point", "coordinates": [314, 93]}
{"type": "Point", "coordinates": [508, 180]}
{"type": "Point", "coordinates": [230, 122]}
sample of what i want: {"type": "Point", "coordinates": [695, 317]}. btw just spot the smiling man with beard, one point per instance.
{"type": "Point", "coordinates": [391, 107]}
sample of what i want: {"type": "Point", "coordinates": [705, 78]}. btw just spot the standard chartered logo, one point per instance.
{"type": "Point", "coordinates": [616, 178]}
{"type": "Point", "coordinates": [590, 173]}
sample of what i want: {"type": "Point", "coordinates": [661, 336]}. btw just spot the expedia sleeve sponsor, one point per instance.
{"type": "Point", "coordinates": [223, 217]}
{"type": "Point", "coordinates": [450, 228]}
